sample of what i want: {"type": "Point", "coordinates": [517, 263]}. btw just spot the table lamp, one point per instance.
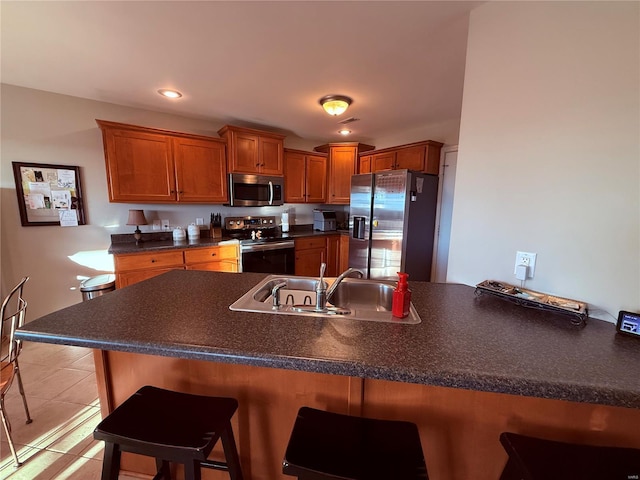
{"type": "Point", "coordinates": [136, 217]}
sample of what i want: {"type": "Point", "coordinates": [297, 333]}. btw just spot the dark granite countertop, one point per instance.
{"type": "Point", "coordinates": [158, 241]}
{"type": "Point", "coordinates": [464, 341]}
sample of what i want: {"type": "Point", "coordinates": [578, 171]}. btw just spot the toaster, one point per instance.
{"type": "Point", "coordinates": [324, 220]}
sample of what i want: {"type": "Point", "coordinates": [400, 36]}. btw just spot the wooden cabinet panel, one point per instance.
{"type": "Point", "coordinates": [365, 164]}
{"type": "Point", "coordinates": [295, 180]}
{"type": "Point", "coordinates": [147, 165]}
{"type": "Point", "coordinates": [411, 158]}
{"type": "Point", "coordinates": [305, 177]}
{"type": "Point", "coordinates": [138, 261]}
{"type": "Point", "coordinates": [139, 166]}
{"type": "Point", "coordinates": [333, 255]}
{"type": "Point", "coordinates": [217, 253]}
{"type": "Point", "coordinates": [136, 267]}
{"type": "Point", "coordinates": [310, 253]}
{"type": "Point", "coordinates": [383, 161]}
{"type": "Point", "coordinates": [253, 151]}
{"type": "Point", "coordinates": [342, 162]}
{"type": "Point", "coordinates": [201, 171]}
{"type": "Point", "coordinates": [421, 157]}
{"type": "Point", "coordinates": [222, 266]}
{"type": "Point", "coordinates": [344, 253]}
{"type": "Point", "coordinates": [271, 153]}
{"type": "Point", "coordinates": [245, 157]}
{"type": "Point", "coordinates": [316, 179]}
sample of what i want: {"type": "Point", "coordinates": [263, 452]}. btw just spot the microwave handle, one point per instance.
{"type": "Point", "coordinates": [270, 193]}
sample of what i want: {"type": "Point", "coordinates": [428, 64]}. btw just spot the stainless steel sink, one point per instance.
{"type": "Point", "coordinates": [355, 299]}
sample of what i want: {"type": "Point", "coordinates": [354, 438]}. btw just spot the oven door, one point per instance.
{"type": "Point", "coordinates": [271, 257]}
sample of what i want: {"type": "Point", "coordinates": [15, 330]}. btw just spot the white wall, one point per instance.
{"type": "Point", "coordinates": [42, 127]}
{"type": "Point", "coordinates": [549, 156]}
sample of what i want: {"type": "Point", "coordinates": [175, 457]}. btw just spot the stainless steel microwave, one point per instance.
{"type": "Point", "coordinates": [255, 190]}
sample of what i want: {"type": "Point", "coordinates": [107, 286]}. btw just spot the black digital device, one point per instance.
{"type": "Point", "coordinates": [629, 323]}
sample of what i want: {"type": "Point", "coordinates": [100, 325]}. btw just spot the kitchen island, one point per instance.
{"type": "Point", "coordinates": [474, 366]}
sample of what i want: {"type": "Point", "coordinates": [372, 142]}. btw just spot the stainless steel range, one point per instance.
{"type": "Point", "coordinates": [262, 248]}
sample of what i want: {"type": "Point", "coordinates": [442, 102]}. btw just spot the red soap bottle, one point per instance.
{"type": "Point", "coordinates": [401, 297]}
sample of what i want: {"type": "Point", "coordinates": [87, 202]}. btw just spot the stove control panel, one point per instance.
{"type": "Point", "coordinates": [249, 223]}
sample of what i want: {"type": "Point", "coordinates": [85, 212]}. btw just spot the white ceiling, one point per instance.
{"type": "Point", "coordinates": [249, 63]}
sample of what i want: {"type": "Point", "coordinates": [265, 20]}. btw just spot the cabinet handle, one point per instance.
{"type": "Point", "coordinates": [180, 192]}
{"type": "Point", "coordinates": [172, 191]}
{"type": "Point", "coordinates": [213, 254]}
{"type": "Point", "coordinates": [153, 260]}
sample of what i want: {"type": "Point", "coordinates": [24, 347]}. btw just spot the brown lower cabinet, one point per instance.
{"type": "Point", "coordinates": [135, 267]}
{"type": "Point", "coordinates": [459, 429]}
{"type": "Point", "coordinates": [311, 252]}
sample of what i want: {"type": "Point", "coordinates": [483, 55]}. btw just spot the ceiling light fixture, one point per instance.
{"type": "Point", "coordinates": [335, 104]}
{"type": "Point", "coordinates": [344, 131]}
{"type": "Point", "coordinates": [165, 92]}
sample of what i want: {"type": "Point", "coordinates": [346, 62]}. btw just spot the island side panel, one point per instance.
{"type": "Point", "coordinates": [460, 429]}
{"type": "Point", "coordinates": [268, 398]}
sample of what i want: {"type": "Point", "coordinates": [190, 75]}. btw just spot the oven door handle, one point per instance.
{"type": "Point", "coordinates": [266, 246]}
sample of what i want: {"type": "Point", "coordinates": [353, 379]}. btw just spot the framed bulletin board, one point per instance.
{"type": "Point", "coordinates": [49, 194]}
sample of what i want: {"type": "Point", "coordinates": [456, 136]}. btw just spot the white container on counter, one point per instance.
{"type": "Point", "coordinates": [179, 234]}
{"type": "Point", "coordinates": [285, 222]}
{"type": "Point", "coordinates": [193, 231]}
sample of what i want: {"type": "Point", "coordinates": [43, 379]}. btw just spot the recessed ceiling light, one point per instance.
{"type": "Point", "coordinates": [344, 131]}
{"type": "Point", "coordinates": [165, 92]}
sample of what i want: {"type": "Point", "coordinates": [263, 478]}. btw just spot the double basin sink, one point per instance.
{"type": "Point", "coordinates": [354, 299]}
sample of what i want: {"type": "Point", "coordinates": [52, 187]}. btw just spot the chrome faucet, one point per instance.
{"type": "Point", "coordinates": [341, 277]}
{"type": "Point", "coordinates": [321, 290]}
{"type": "Point", "coordinates": [275, 293]}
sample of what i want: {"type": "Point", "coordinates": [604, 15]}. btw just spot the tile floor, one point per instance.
{"type": "Point", "coordinates": [60, 385]}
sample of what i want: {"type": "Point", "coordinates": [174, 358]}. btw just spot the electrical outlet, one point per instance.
{"type": "Point", "coordinates": [528, 259]}
{"type": "Point", "coordinates": [165, 226]}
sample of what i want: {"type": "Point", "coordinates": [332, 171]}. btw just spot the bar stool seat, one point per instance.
{"type": "Point", "coordinates": [326, 445]}
{"type": "Point", "coordinates": [533, 458]}
{"type": "Point", "coordinates": [171, 427]}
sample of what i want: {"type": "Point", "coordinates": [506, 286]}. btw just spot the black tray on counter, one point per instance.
{"type": "Point", "coordinates": [578, 311]}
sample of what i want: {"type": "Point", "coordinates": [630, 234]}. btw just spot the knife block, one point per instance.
{"type": "Point", "coordinates": [216, 232]}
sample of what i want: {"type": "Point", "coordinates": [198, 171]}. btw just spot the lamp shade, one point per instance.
{"type": "Point", "coordinates": [136, 217]}
{"type": "Point", "coordinates": [335, 104]}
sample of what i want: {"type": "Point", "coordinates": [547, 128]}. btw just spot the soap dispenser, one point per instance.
{"type": "Point", "coordinates": [401, 297]}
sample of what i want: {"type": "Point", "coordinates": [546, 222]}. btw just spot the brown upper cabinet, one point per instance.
{"type": "Point", "coordinates": [305, 177]}
{"type": "Point", "coordinates": [148, 165]}
{"type": "Point", "coordinates": [420, 156]}
{"type": "Point", "coordinates": [253, 151]}
{"type": "Point", "coordinates": [342, 165]}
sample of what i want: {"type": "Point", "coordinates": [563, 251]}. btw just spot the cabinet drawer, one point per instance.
{"type": "Point", "coordinates": [138, 261]}
{"type": "Point", "coordinates": [223, 266]}
{"type": "Point", "coordinates": [199, 255]}
{"type": "Point", "coordinates": [311, 242]}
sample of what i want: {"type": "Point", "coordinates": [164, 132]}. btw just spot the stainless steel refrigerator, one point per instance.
{"type": "Point", "coordinates": [391, 223]}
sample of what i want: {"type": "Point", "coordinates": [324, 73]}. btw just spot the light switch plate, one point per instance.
{"type": "Point", "coordinates": [157, 225]}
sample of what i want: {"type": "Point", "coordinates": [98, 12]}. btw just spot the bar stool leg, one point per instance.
{"type": "Point", "coordinates": [231, 453]}
{"type": "Point", "coordinates": [111, 462]}
{"type": "Point", "coordinates": [192, 470]}
{"type": "Point", "coordinates": [162, 467]}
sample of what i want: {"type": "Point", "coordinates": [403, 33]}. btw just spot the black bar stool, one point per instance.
{"type": "Point", "coordinates": [171, 427]}
{"type": "Point", "coordinates": [325, 445]}
{"type": "Point", "coordinates": [533, 458]}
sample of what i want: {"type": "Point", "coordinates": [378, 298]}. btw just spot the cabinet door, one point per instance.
{"type": "Point", "coordinates": [139, 166]}
{"type": "Point", "coordinates": [333, 255]}
{"type": "Point", "coordinates": [243, 153]}
{"type": "Point", "coordinates": [365, 164]}
{"type": "Point", "coordinates": [308, 261]}
{"type": "Point", "coordinates": [294, 177]}
{"type": "Point", "coordinates": [383, 161]}
{"type": "Point", "coordinates": [270, 156]}
{"type": "Point", "coordinates": [341, 167]}
{"type": "Point", "coordinates": [411, 158]}
{"type": "Point", "coordinates": [201, 171]}
{"type": "Point", "coordinates": [316, 179]}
